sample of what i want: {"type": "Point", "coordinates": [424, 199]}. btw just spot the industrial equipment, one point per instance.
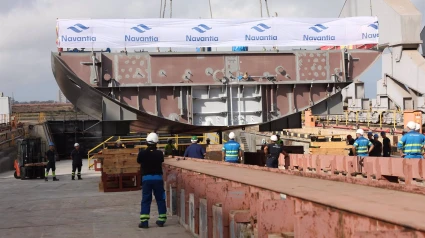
{"type": "Point", "coordinates": [30, 162]}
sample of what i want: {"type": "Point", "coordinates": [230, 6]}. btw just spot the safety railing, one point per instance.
{"type": "Point", "coordinates": [89, 158]}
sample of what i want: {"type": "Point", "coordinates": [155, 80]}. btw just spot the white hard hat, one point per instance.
{"type": "Point", "coordinates": [273, 138]}
{"type": "Point", "coordinates": [417, 127]}
{"type": "Point", "coordinates": [76, 144]}
{"type": "Point", "coordinates": [231, 135]}
{"type": "Point", "coordinates": [411, 125]}
{"type": "Point", "coordinates": [152, 138]}
{"type": "Point", "coordinates": [360, 131]}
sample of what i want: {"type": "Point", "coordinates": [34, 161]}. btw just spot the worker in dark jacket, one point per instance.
{"type": "Point", "coordinates": [272, 152]}
{"type": "Point", "coordinates": [150, 161]}
{"type": "Point", "coordinates": [51, 162]}
{"type": "Point", "coordinates": [377, 147]}
{"type": "Point", "coordinates": [77, 161]}
{"type": "Point", "coordinates": [195, 150]}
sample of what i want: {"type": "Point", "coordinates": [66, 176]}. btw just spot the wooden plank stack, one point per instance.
{"type": "Point", "coordinates": [330, 148]}
{"type": "Point", "coordinates": [120, 170]}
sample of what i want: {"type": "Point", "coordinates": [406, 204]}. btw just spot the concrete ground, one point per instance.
{"type": "Point", "coordinates": [66, 208]}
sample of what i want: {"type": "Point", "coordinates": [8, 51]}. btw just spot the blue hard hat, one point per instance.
{"type": "Point", "coordinates": [369, 133]}
{"type": "Point", "coordinates": [51, 144]}
{"type": "Point", "coordinates": [376, 136]}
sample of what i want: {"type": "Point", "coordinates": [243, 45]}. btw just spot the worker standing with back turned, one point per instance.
{"type": "Point", "coordinates": [51, 162]}
{"type": "Point", "coordinates": [362, 146]}
{"type": "Point", "coordinates": [150, 161]}
{"type": "Point", "coordinates": [412, 143]}
{"type": "Point", "coordinates": [77, 161]}
{"type": "Point", "coordinates": [231, 151]}
{"type": "Point", "coordinates": [195, 150]}
{"type": "Point", "coordinates": [272, 152]}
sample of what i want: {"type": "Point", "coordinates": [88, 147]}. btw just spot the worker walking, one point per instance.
{"type": "Point", "coordinates": [169, 148]}
{"type": "Point", "coordinates": [150, 161]}
{"type": "Point", "coordinates": [272, 152]}
{"type": "Point", "coordinates": [195, 150]}
{"type": "Point", "coordinates": [231, 151]}
{"type": "Point", "coordinates": [77, 161]}
{"type": "Point", "coordinates": [51, 162]}
{"type": "Point", "coordinates": [362, 146]}
{"type": "Point", "coordinates": [412, 143]}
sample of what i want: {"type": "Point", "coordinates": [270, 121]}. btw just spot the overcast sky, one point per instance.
{"type": "Point", "coordinates": [28, 31]}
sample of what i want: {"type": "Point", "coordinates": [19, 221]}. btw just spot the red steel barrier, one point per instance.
{"type": "Point", "coordinates": [218, 199]}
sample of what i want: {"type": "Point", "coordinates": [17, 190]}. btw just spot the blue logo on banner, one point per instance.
{"type": "Point", "coordinates": [78, 28]}
{"type": "Point", "coordinates": [375, 26]}
{"type": "Point", "coordinates": [260, 28]}
{"type": "Point", "coordinates": [141, 28]}
{"type": "Point", "coordinates": [201, 28]}
{"type": "Point", "coordinates": [319, 28]}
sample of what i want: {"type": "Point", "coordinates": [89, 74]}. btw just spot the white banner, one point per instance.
{"type": "Point", "coordinates": [140, 33]}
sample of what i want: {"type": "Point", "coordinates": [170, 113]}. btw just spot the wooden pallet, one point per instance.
{"type": "Point", "coordinates": [120, 182]}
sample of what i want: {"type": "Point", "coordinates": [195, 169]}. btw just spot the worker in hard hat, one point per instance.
{"type": "Point", "coordinates": [272, 152]}
{"type": "Point", "coordinates": [51, 162]}
{"type": "Point", "coordinates": [412, 143]}
{"type": "Point", "coordinates": [195, 150]}
{"type": "Point", "coordinates": [150, 161]}
{"type": "Point", "coordinates": [231, 151]}
{"type": "Point", "coordinates": [377, 147]}
{"type": "Point", "coordinates": [169, 149]}
{"type": "Point", "coordinates": [77, 161]}
{"type": "Point", "coordinates": [362, 146]}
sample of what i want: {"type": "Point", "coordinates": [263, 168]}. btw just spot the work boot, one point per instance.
{"type": "Point", "coordinates": [79, 177]}
{"type": "Point", "coordinates": [144, 225]}
{"type": "Point", "coordinates": [55, 179]}
{"type": "Point", "coordinates": [46, 179]}
{"type": "Point", "coordinates": [73, 177]}
{"type": "Point", "coordinates": [160, 223]}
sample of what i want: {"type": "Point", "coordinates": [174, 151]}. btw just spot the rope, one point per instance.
{"type": "Point", "coordinates": [267, 7]}
{"type": "Point", "coordinates": [165, 6]}
{"type": "Point", "coordinates": [209, 2]}
{"type": "Point", "coordinates": [160, 9]}
{"type": "Point", "coordinates": [261, 8]}
{"type": "Point", "coordinates": [171, 8]}
{"type": "Point", "coordinates": [342, 8]}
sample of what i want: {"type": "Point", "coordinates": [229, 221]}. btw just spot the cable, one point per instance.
{"type": "Point", "coordinates": [267, 8]}
{"type": "Point", "coordinates": [165, 6]}
{"type": "Point", "coordinates": [209, 2]}
{"type": "Point", "coordinates": [171, 8]}
{"type": "Point", "coordinates": [342, 8]}
{"type": "Point", "coordinates": [160, 9]}
{"type": "Point", "coordinates": [261, 7]}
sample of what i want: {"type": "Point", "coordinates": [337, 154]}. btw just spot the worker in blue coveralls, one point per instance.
{"type": "Point", "coordinates": [195, 150]}
{"type": "Point", "coordinates": [362, 146]}
{"type": "Point", "coordinates": [150, 161]}
{"type": "Point", "coordinates": [231, 151]}
{"type": "Point", "coordinates": [412, 143]}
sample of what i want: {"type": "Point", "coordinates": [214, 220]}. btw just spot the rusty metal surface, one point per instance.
{"type": "Point", "coordinates": [164, 84]}
{"type": "Point", "coordinates": [357, 199]}
{"type": "Point", "coordinates": [249, 200]}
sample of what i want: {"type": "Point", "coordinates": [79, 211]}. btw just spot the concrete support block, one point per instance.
{"type": "Point", "coordinates": [240, 224]}
{"type": "Point", "coordinates": [191, 219]}
{"type": "Point", "coordinates": [173, 200]}
{"type": "Point", "coordinates": [182, 208]}
{"type": "Point", "coordinates": [276, 216]}
{"type": "Point", "coordinates": [203, 218]}
{"type": "Point", "coordinates": [218, 227]}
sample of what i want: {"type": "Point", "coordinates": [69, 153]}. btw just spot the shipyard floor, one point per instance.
{"type": "Point", "coordinates": [35, 208]}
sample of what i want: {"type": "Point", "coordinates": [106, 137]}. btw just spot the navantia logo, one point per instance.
{"type": "Point", "coordinates": [78, 28]}
{"type": "Point", "coordinates": [140, 29]}
{"type": "Point", "coordinates": [318, 34]}
{"type": "Point", "coordinates": [374, 35]}
{"type": "Point", "coordinates": [260, 28]}
{"type": "Point", "coordinates": [201, 28]}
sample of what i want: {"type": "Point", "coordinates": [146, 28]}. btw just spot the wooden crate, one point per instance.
{"type": "Point", "coordinates": [120, 182]}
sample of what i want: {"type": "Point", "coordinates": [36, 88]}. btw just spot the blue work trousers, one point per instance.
{"type": "Point", "coordinates": [157, 186]}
